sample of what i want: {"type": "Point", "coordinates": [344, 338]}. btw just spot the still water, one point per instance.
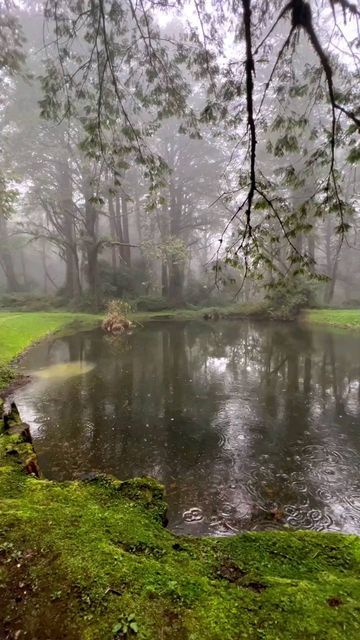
{"type": "Point", "coordinates": [250, 426]}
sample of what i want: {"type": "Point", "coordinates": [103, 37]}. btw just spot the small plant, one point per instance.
{"type": "Point", "coordinates": [125, 628]}
{"type": "Point", "coordinates": [116, 320]}
{"type": "Point", "coordinates": [118, 307]}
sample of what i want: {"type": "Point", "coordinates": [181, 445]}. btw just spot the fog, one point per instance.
{"type": "Point", "coordinates": [138, 162]}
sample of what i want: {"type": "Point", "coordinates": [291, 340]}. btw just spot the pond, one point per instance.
{"type": "Point", "coordinates": [249, 425]}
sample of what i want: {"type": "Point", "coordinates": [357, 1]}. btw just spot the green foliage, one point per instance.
{"type": "Point", "coordinates": [124, 282]}
{"type": "Point", "coordinates": [118, 308]}
{"type": "Point", "coordinates": [171, 249]}
{"type": "Point", "coordinates": [151, 303]}
{"type": "Point", "coordinates": [125, 628]}
{"type": "Point", "coordinates": [11, 41]}
{"type": "Point", "coordinates": [24, 301]}
{"type": "Point", "coordinates": [8, 196]}
{"type": "Point", "coordinates": [201, 293]}
{"type": "Point", "coordinates": [116, 319]}
{"type": "Point", "coordinates": [84, 303]}
{"type": "Point", "coordinates": [96, 95]}
{"type": "Point", "coordinates": [285, 145]}
{"type": "Point", "coordinates": [288, 297]}
{"type": "Point", "coordinates": [7, 376]}
{"type": "Point", "coordinates": [354, 155]}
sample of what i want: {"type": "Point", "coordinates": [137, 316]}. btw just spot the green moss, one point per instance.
{"type": "Point", "coordinates": [335, 318]}
{"type": "Point", "coordinates": [79, 560]}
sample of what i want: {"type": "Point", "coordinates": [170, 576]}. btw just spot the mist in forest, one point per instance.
{"type": "Point", "coordinates": [137, 162]}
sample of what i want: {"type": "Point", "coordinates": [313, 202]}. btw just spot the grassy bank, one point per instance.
{"type": "Point", "coordinates": [337, 318]}
{"type": "Point", "coordinates": [92, 561]}
{"type": "Point", "coordinates": [19, 330]}
{"type": "Point", "coordinates": [256, 311]}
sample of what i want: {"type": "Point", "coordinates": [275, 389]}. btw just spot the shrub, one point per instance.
{"type": "Point", "coordinates": [124, 282]}
{"type": "Point", "coordinates": [151, 303]}
{"type": "Point", "coordinates": [117, 307]}
{"type": "Point", "coordinates": [352, 303]}
{"type": "Point", "coordinates": [29, 302]}
{"type": "Point", "coordinates": [116, 319]}
{"type": "Point", "coordinates": [290, 296]}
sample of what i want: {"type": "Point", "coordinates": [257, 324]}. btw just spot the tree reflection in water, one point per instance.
{"type": "Point", "coordinates": [250, 426]}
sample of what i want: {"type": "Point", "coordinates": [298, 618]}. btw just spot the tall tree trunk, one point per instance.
{"type": "Point", "coordinates": [176, 266]}
{"type": "Point", "coordinates": [311, 245]}
{"type": "Point", "coordinates": [25, 277]}
{"type": "Point", "coordinates": [113, 234]}
{"type": "Point", "coordinates": [125, 221]}
{"type": "Point", "coordinates": [6, 259]}
{"type": "Point", "coordinates": [43, 260]}
{"type": "Point", "coordinates": [119, 228]}
{"type": "Point", "coordinates": [164, 279]}
{"type": "Point", "coordinates": [330, 289]}
{"type": "Point", "coordinates": [138, 217]}
{"type": "Point", "coordinates": [66, 211]}
{"type": "Point", "coordinates": [331, 264]}
{"type": "Point", "coordinates": [91, 242]}
{"type": "Point", "coordinates": [176, 282]}
{"type": "Point", "coordinates": [92, 272]}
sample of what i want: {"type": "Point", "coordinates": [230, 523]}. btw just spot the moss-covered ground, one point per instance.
{"type": "Point", "coordinates": [92, 560]}
{"type": "Point", "coordinates": [337, 318]}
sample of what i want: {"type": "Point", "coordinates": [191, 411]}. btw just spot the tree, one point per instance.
{"type": "Point", "coordinates": [8, 197]}
{"type": "Point", "coordinates": [172, 134]}
{"type": "Point", "coordinates": [11, 63]}
{"type": "Point", "coordinates": [11, 40]}
{"type": "Point", "coordinates": [133, 67]}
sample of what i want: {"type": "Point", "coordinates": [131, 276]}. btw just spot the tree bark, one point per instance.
{"type": "Point", "coordinates": [176, 268]}
{"type": "Point", "coordinates": [91, 241]}
{"type": "Point", "coordinates": [113, 234]}
{"type": "Point", "coordinates": [6, 259]}
{"type": "Point", "coordinates": [331, 264]}
{"type": "Point", "coordinates": [125, 226]}
{"type": "Point", "coordinates": [119, 229]}
{"type": "Point", "coordinates": [72, 284]}
{"type": "Point", "coordinates": [164, 279]}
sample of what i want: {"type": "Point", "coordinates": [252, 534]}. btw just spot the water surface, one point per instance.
{"type": "Point", "coordinates": [250, 426]}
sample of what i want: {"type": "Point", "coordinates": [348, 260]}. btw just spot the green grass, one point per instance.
{"type": "Point", "coordinates": [78, 559]}
{"type": "Point", "coordinates": [18, 330]}
{"type": "Point", "coordinates": [340, 318]}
